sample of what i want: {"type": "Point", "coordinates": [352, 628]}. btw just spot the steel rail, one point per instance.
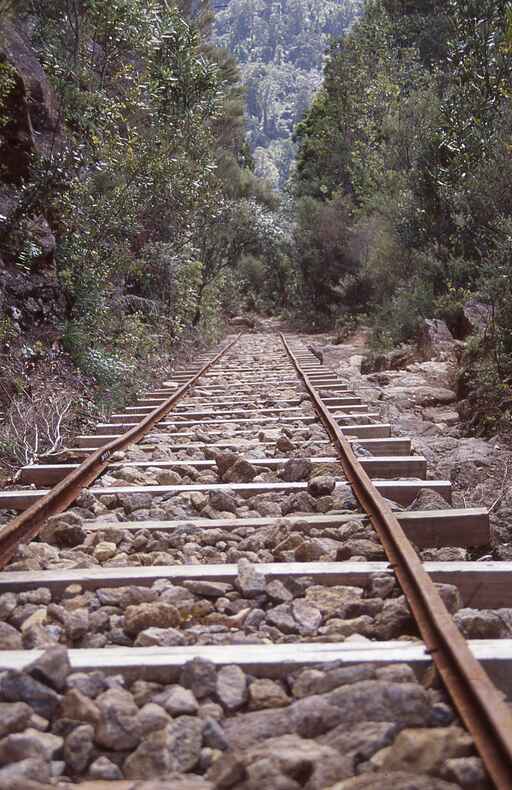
{"type": "Point", "coordinates": [476, 699]}
{"type": "Point", "coordinates": [27, 525]}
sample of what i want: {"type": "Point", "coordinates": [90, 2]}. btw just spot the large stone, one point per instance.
{"type": "Point", "coordinates": [394, 780]}
{"type": "Point", "coordinates": [177, 747]}
{"type": "Point", "coordinates": [152, 717]}
{"type": "Point", "coordinates": [467, 772]}
{"type": "Point", "coordinates": [208, 589]}
{"type": "Point", "coordinates": [10, 637]}
{"type": "Point", "coordinates": [394, 620]}
{"type": "Point", "coordinates": [103, 768]}
{"type": "Point", "coordinates": [222, 501]}
{"type": "Point", "coordinates": [151, 758]}
{"type": "Point", "coordinates": [333, 601]}
{"type": "Point", "coordinates": [30, 743]}
{"type": "Point", "coordinates": [17, 141]}
{"type": "Point", "coordinates": [424, 749]}
{"type": "Point", "coordinates": [51, 668]}
{"type": "Point", "coordinates": [241, 472]}
{"type": "Point", "coordinates": [285, 762]}
{"type": "Point", "coordinates": [117, 728]}
{"type": "Point", "coordinates": [178, 701]}
{"type": "Point", "coordinates": [432, 332]}
{"type": "Point", "coordinates": [282, 618]}
{"type": "Point", "coordinates": [213, 735]}
{"type": "Point", "coordinates": [322, 485]}
{"type": "Point", "coordinates": [231, 687]}
{"type": "Point", "coordinates": [317, 681]}
{"type": "Point", "coordinates": [296, 469]}
{"type": "Point", "coordinates": [161, 637]}
{"type": "Point", "coordinates": [301, 502]}
{"type": "Point", "coordinates": [361, 740]}
{"type": "Point", "coordinates": [79, 747]}
{"type": "Point", "coordinates": [278, 592]}
{"type": "Point", "coordinates": [266, 693]}
{"type": "Point", "coordinates": [308, 617]}
{"type": "Point", "coordinates": [481, 624]}
{"type": "Point", "coordinates": [44, 242]}
{"type": "Point", "coordinates": [14, 716]}
{"type": "Point", "coordinates": [477, 317]}
{"type": "Point", "coordinates": [30, 774]}
{"type": "Point", "coordinates": [223, 460]}
{"type": "Point", "coordinates": [250, 582]}
{"type": "Point", "coordinates": [245, 729]}
{"type": "Point", "coordinates": [406, 703]}
{"type": "Point", "coordinates": [200, 676]}
{"type": "Point", "coordinates": [148, 615]}
{"type": "Point", "coordinates": [79, 707]}
{"type": "Point", "coordinates": [18, 686]}
{"type": "Point", "coordinates": [429, 500]}
{"type": "Point", "coordinates": [8, 603]}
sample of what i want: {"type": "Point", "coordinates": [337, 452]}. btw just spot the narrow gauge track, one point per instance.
{"type": "Point", "coordinates": [261, 440]}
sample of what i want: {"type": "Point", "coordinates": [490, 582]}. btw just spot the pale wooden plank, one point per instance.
{"type": "Point", "coordinates": [162, 664]}
{"type": "Point", "coordinates": [120, 428]}
{"type": "Point", "coordinates": [206, 407]}
{"type": "Point", "coordinates": [371, 431]}
{"type": "Point", "coordinates": [401, 491]}
{"type": "Point", "coordinates": [186, 415]}
{"type": "Point", "coordinates": [396, 446]}
{"type": "Point", "coordinates": [392, 466]}
{"type": "Point", "coordinates": [426, 528]}
{"type": "Point", "coordinates": [482, 585]}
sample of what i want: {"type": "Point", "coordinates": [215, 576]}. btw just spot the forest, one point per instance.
{"type": "Point", "coordinates": [403, 183]}
{"type": "Point", "coordinates": [280, 46]}
{"type": "Point", "coordinates": [163, 167]}
{"type": "Point", "coordinates": [127, 195]}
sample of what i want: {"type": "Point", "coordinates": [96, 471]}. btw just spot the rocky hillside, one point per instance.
{"type": "Point", "coordinates": [29, 127]}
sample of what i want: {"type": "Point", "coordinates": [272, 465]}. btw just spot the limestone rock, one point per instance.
{"type": "Point", "coordinates": [117, 728]}
{"type": "Point", "coordinates": [103, 768]}
{"type": "Point", "coordinates": [161, 637]}
{"type": "Point", "coordinates": [148, 615]}
{"type": "Point", "coordinates": [424, 749]}
{"type": "Point", "coordinates": [222, 501]}
{"type": "Point", "coordinates": [10, 637]}
{"type": "Point", "coordinates": [249, 581]}
{"type": "Point", "coordinates": [77, 706]}
{"type": "Point", "coordinates": [231, 687]}
{"type": "Point", "coordinates": [265, 693]}
{"type": "Point", "coordinates": [14, 717]}
{"type": "Point", "coordinates": [241, 472]}
{"type": "Point", "coordinates": [152, 717]}
{"type": "Point", "coordinates": [18, 686]}
{"type": "Point", "coordinates": [394, 780]}
{"type": "Point", "coordinates": [30, 743]}
{"type": "Point", "coordinates": [51, 668]}
{"type": "Point", "coordinates": [79, 747]}
{"type": "Point", "coordinates": [178, 701]}
{"type": "Point", "coordinates": [467, 772]}
{"type": "Point", "coordinates": [199, 675]}
{"type": "Point", "coordinates": [296, 469]}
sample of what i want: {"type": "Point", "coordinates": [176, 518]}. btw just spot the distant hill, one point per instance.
{"type": "Point", "coordinates": [281, 46]}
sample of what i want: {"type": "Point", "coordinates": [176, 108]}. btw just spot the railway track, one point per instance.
{"type": "Point", "coordinates": [234, 564]}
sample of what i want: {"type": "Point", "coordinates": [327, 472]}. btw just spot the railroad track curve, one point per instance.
{"type": "Point", "coordinates": [233, 566]}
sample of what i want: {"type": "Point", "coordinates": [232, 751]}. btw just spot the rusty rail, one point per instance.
{"type": "Point", "coordinates": [27, 525]}
{"type": "Point", "coordinates": [478, 702]}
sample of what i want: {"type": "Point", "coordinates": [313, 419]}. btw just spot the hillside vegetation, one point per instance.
{"type": "Point", "coordinates": [280, 45]}
{"type": "Point", "coordinates": [404, 178]}
{"type": "Point", "coordinates": [126, 194]}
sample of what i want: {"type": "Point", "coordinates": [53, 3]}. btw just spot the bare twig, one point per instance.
{"type": "Point", "coordinates": [502, 490]}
